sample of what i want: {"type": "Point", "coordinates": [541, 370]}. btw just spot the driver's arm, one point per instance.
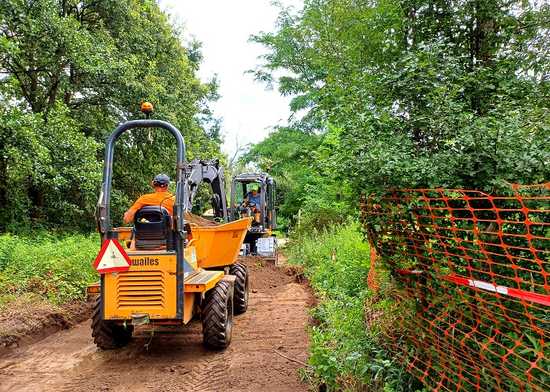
{"type": "Point", "coordinates": [129, 215]}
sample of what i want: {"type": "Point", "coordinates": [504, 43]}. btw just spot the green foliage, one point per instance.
{"type": "Point", "coordinates": [286, 155]}
{"type": "Point", "coordinates": [345, 353]}
{"type": "Point", "coordinates": [308, 194]}
{"type": "Point", "coordinates": [71, 71]}
{"type": "Point", "coordinates": [57, 269]}
{"type": "Point", "coordinates": [419, 93]}
{"type": "Point", "coordinates": [50, 170]}
{"type": "Point", "coordinates": [396, 94]}
{"type": "Point", "coordinates": [332, 256]}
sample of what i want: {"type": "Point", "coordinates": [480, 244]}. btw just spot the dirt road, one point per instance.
{"type": "Point", "coordinates": [274, 324]}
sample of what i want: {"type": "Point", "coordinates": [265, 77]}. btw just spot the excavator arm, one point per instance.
{"type": "Point", "coordinates": [198, 171]}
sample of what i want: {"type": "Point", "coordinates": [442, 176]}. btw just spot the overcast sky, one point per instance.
{"type": "Point", "coordinates": [247, 109]}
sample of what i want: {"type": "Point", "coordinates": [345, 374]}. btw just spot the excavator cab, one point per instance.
{"type": "Point", "coordinates": [260, 239]}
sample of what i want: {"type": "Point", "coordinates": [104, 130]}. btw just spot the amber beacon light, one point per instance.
{"type": "Point", "coordinates": [146, 107]}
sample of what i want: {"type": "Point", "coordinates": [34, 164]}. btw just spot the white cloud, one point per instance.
{"type": "Point", "coordinates": [248, 110]}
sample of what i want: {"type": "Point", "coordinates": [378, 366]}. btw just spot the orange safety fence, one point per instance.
{"type": "Point", "coordinates": [472, 272]}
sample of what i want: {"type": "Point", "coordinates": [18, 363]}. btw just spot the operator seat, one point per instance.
{"type": "Point", "coordinates": [153, 228]}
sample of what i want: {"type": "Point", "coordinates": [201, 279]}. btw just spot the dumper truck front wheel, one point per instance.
{"type": "Point", "coordinates": [108, 335]}
{"type": "Point", "coordinates": [217, 316]}
{"type": "Point", "coordinates": [240, 296]}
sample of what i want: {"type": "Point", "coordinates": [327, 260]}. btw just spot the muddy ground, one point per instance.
{"type": "Point", "coordinates": [274, 327]}
{"type": "Point", "coordinates": [29, 319]}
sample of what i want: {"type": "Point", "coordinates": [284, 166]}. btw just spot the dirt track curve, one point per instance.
{"type": "Point", "coordinates": [274, 324]}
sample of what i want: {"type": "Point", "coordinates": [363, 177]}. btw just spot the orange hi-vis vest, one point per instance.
{"type": "Point", "coordinates": [161, 199]}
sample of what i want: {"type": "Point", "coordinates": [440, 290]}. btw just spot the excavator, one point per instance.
{"type": "Point", "coordinates": [168, 269]}
{"type": "Point", "coordinates": [253, 195]}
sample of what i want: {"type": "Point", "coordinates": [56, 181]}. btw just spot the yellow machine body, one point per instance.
{"type": "Point", "coordinates": [149, 286]}
{"type": "Point", "coordinates": [155, 274]}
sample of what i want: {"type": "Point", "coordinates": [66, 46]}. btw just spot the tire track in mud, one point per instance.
{"type": "Point", "coordinates": [276, 320]}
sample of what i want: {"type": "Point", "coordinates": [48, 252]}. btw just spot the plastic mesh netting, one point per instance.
{"type": "Point", "coordinates": [473, 276]}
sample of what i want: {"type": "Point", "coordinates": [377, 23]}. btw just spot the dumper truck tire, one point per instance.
{"type": "Point", "coordinates": [108, 335]}
{"type": "Point", "coordinates": [240, 293]}
{"type": "Point", "coordinates": [217, 316]}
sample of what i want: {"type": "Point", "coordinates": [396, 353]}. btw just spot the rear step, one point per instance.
{"type": "Point", "coordinates": [202, 281]}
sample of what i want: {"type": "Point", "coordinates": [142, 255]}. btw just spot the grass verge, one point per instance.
{"type": "Point", "coordinates": [55, 269]}
{"type": "Point", "coordinates": [43, 283]}
{"type": "Point", "coordinates": [347, 350]}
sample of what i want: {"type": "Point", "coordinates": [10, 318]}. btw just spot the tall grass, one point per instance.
{"type": "Point", "coordinates": [57, 269]}
{"type": "Point", "coordinates": [345, 353]}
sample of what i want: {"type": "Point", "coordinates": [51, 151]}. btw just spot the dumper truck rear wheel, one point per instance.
{"type": "Point", "coordinates": [240, 294]}
{"type": "Point", "coordinates": [217, 316]}
{"type": "Point", "coordinates": [108, 335]}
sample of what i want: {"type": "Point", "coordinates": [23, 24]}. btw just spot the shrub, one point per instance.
{"type": "Point", "coordinates": [345, 353]}
{"type": "Point", "coordinates": [57, 269]}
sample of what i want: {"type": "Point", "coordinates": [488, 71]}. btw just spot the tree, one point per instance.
{"type": "Point", "coordinates": [420, 93]}
{"type": "Point", "coordinates": [307, 186]}
{"type": "Point", "coordinates": [71, 70]}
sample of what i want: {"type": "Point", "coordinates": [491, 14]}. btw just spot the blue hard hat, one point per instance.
{"type": "Point", "coordinates": [161, 179]}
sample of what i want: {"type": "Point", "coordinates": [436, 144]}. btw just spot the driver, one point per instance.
{"type": "Point", "coordinates": [161, 197]}
{"type": "Point", "coordinates": [253, 197]}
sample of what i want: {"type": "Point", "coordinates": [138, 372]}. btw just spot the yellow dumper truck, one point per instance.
{"type": "Point", "coordinates": [166, 269]}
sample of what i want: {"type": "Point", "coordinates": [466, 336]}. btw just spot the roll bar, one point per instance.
{"type": "Point", "coordinates": [103, 216]}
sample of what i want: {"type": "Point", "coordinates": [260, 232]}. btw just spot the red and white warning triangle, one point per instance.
{"type": "Point", "coordinates": [111, 258]}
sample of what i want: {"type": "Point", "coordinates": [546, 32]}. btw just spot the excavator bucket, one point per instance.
{"type": "Point", "coordinates": [218, 245]}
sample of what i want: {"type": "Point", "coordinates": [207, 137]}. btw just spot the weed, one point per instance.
{"type": "Point", "coordinates": [347, 353]}
{"type": "Point", "coordinates": [57, 269]}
